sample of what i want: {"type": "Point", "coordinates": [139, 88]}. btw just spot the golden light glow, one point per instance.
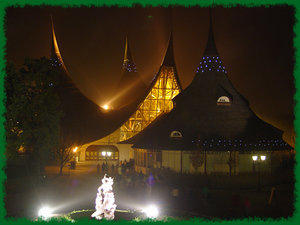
{"type": "Point", "coordinates": [75, 149]}
{"type": "Point", "coordinates": [56, 49]}
{"type": "Point", "coordinates": [158, 101]}
{"type": "Point", "coordinates": [106, 107]}
{"type": "Point", "coordinates": [106, 154]}
{"type": "Point", "coordinates": [21, 149]}
{"type": "Point", "coordinates": [121, 93]}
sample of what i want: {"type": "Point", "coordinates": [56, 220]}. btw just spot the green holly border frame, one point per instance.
{"type": "Point", "coordinates": [295, 219]}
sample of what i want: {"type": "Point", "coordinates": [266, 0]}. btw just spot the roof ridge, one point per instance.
{"type": "Point", "coordinates": [211, 48]}
{"type": "Point", "coordinates": [55, 52]}
{"type": "Point", "coordinates": [127, 53]}
{"type": "Point", "coordinates": [169, 54]}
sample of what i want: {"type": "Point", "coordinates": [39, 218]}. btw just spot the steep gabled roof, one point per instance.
{"type": "Point", "coordinates": [211, 48]}
{"type": "Point", "coordinates": [127, 54]}
{"type": "Point", "coordinates": [55, 53]}
{"type": "Point", "coordinates": [153, 81]}
{"type": "Point", "coordinates": [83, 120]}
{"type": "Point", "coordinates": [257, 135]}
{"type": "Point", "coordinates": [168, 61]}
{"type": "Point", "coordinates": [170, 78]}
{"type": "Point", "coordinates": [169, 55]}
{"type": "Point", "coordinates": [206, 123]}
{"type": "Point", "coordinates": [131, 84]}
{"type": "Point", "coordinates": [211, 70]}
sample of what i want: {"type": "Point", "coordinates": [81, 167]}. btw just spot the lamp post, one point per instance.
{"type": "Point", "coordinates": [258, 160]}
{"type": "Point", "coordinates": [75, 152]}
{"type": "Point", "coordinates": [105, 154]}
{"type": "Point", "coordinates": [73, 163]}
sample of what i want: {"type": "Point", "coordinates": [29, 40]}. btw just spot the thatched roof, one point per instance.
{"type": "Point", "coordinates": [210, 114]}
{"type": "Point", "coordinates": [131, 86]}
{"type": "Point", "coordinates": [83, 120]}
{"type": "Point", "coordinates": [255, 134]}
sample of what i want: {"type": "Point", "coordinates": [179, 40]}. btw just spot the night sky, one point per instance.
{"type": "Point", "coordinates": [255, 45]}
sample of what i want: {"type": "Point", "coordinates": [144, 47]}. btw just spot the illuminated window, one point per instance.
{"type": "Point", "coordinates": [87, 155]}
{"type": "Point", "coordinates": [21, 150]}
{"type": "Point", "coordinates": [176, 134]}
{"type": "Point", "coordinates": [223, 100]}
{"type": "Point", "coordinates": [94, 152]}
{"type": "Point", "coordinates": [158, 101]}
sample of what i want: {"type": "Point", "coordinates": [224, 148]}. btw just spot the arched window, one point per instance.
{"type": "Point", "coordinates": [101, 152]}
{"type": "Point", "coordinates": [176, 134]}
{"type": "Point", "coordinates": [223, 100]}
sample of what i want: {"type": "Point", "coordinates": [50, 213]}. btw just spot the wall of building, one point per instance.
{"type": "Point", "coordinates": [216, 162]}
{"type": "Point", "coordinates": [186, 165]}
{"type": "Point", "coordinates": [125, 150]}
{"type": "Point", "coordinates": [172, 160]}
{"type": "Point", "coordinates": [247, 165]}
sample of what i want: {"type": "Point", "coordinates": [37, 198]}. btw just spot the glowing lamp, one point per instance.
{"type": "Point", "coordinates": [105, 107]}
{"type": "Point", "coordinates": [75, 149]}
{"type": "Point", "coordinates": [45, 212]}
{"type": "Point", "coordinates": [254, 157]}
{"type": "Point", "coordinates": [108, 154]}
{"type": "Point", "coordinates": [151, 211]}
{"type": "Point", "coordinates": [103, 153]}
{"type": "Point", "coordinates": [263, 157]}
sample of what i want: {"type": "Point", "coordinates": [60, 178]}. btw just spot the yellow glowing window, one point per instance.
{"type": "Point", "coordinates": [223, 100]}
{"type": "Point", "coordinates": [158, 100]}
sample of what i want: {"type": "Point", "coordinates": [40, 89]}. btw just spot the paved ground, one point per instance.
{"type": "Point", "coordinates": [77, 189]}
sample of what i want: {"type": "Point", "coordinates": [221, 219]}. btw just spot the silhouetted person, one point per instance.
{"type": "Point", "coordinates": [103, 167]}
{"type": "Point", "coordinates": [113, 168]}
{"type": "Point", "coordinates": [98, 168]}
{"type": "Point", "coordinates": [120, 170]}
{"type": "Point", "coordinates": [123, 167]}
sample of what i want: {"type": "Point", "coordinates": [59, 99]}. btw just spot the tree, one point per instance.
{"type": "Point", "coordinates": [197, 159]}
{"type": "Point", "coordinates": [232, 161]}
{"type": "Point", "coordinates": [12, 83]}
{"type": "Point", "coordinates": [33, 114]}
{"type": "Point", "coordinates": [64, 155]}
{"type": "Point", "coordinates": [64, 152]}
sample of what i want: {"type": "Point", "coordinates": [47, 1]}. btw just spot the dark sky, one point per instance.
{"type": "Point", "coordinates": [255, 44]}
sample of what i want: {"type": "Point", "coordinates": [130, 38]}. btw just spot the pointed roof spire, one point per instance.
{"type": "Point", "coordinates": [210, 45]}
{"type": "Point", "coordinates": [211, 61]}
{"type": "Point", "coordinates": [128, 63]}
{"type": "Point", "coordinates": [127, 53]}
{"type": "Point", "coordinates": [169, 56]}
{"type": "Point", "coordinates": [55, 53]}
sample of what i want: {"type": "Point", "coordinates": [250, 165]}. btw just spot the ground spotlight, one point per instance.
{"type": "Point", "coordinates": [45, 212]}
{"type": "Point", "coordinates": [151, 211]}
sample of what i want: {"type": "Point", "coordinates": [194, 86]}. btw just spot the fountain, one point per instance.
{"type": "Point", "coordinates": [105, 201]}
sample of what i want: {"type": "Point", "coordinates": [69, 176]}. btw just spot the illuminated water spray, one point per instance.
{"type": "Point", "coordinates": [105, 201]}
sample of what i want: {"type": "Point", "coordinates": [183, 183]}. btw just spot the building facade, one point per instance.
{"type": "Point", "coordinates": [156, 101]}
{"type": "Point", "coordinates": [211, 129]}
